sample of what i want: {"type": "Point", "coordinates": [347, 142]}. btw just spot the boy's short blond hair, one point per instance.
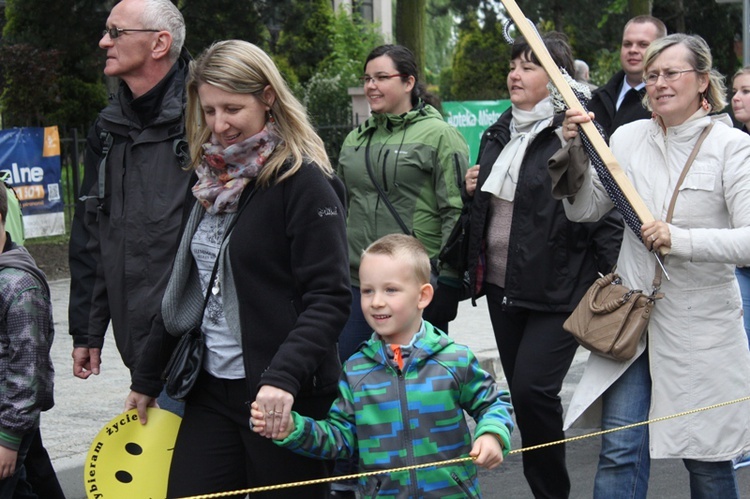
{"type": "Point", "coordinates": [409, 248]}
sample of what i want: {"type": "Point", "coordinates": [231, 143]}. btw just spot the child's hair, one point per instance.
{"type": "Point", "coordinates": [407, 247]}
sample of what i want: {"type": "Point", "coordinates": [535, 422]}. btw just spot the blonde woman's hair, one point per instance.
{"type": "Point", "coordinates": [699, 58]}
{"type": "Point", "coordinates": [240, 67]}
{"type": "Point", "coordinates": [408, 248]}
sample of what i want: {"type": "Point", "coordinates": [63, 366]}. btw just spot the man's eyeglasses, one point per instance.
{"type": "Point", "coordinates": [116, 32]}
{"type": "Point", "coordinates": [379, 78]}
{"type": "Point", "coordinates": [671, 75]}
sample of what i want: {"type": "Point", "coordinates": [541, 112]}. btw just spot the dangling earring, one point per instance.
{"type": "Point", "coordinates": [269, 117]}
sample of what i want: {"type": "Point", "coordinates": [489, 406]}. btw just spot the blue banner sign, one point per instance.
{"type": "Point", "coordinates": [32, 158]}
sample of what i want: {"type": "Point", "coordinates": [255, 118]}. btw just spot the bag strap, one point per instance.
{"type": "Point", "coordinates": [381, 193]}
{"type": "Point", "coordinates": [670, 210]}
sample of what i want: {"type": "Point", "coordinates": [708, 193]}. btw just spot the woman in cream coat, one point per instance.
{"type": "Point", "coordinates": [695, 353]}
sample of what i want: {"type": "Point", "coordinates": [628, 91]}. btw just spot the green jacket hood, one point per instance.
{"type": "Point", "coordinates": [394, 122]}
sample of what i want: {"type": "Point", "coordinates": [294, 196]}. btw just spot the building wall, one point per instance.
{"type": "Point", "coordinates": [382, 13]}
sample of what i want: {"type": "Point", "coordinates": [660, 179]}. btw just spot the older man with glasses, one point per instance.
{"type": "Point", "coordinates": [127, 220]}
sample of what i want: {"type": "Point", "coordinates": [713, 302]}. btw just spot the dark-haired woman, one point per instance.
{"type": "Point", "coordinates": [418, 161]}
{"type": "Point", "coordinates": [530, 261]}
{"type": "Point", "coordinates": [407, 153]}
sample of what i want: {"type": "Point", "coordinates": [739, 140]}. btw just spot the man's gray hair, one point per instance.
{"type": "Point", "coordinates": [582, 70]}
{"type": "Point", "coordinates": [164, 15]}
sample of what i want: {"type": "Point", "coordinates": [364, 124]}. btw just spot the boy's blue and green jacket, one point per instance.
{"type": "Point", "coordinates": [399, 418]}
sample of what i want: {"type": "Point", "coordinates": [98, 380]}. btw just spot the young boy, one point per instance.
{"type": "Point", "coordinates": [26, 373]}
{"type": "Point", "coordinates": [402, 396]}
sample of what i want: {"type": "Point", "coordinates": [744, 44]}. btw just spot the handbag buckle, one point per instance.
{"type": "Point", "coordinates": [626, 296]}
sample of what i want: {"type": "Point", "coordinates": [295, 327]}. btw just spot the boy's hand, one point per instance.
{"type": "Point", "coordinates": [258, 421]}
{"type": "Point", "coordinates": [488, 451]}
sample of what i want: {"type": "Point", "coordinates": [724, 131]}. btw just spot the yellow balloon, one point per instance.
{"type": "Point", "coordinates": [129, 460]}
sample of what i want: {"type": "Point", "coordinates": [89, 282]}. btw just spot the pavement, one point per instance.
{"type": "Point", "coordinates": [83, 407]}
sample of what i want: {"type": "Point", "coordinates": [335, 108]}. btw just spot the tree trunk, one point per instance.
{"type": "Point", "coordinates": [680, 22]}
{"type": "Point", "coordinates": [410, 19]}
{"type": "Point", "coordinates": [640, 7]}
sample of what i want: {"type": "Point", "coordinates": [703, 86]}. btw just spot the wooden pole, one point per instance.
{"type": "Point", "coordinates": [532, 38]}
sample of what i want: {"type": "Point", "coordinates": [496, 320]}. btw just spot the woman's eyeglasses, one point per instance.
{"type": "Point", "coordinates": [671, 75]}
{"type": "Point", "coordinates": [380, 78]}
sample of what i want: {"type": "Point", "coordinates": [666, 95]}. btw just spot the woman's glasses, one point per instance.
{"type": "Point", "coordinates": [380, 78]}
{"type": "Point", "coordinates": [671, 75]}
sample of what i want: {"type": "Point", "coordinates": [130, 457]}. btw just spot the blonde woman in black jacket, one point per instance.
{"type": "Point", "coordinates": [282, 292]}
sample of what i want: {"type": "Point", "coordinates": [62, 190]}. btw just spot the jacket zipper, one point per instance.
{"type": "Point", "coordinates": [457, 167]}
{"type": "Point", "coordinates": [376, 490]}
{"type": "Point", "coordinates": [407, 430]}
{"type": "Point", "coordinates": [461, 484]}
{"type": "Point", "coordinates": [385, 180]}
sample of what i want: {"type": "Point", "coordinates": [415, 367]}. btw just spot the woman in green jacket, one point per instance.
{"type": "Point", "coordinates": [407, 156]}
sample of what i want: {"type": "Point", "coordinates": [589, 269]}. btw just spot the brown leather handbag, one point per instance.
{"type": "Point", "coordinates": [611, 318]}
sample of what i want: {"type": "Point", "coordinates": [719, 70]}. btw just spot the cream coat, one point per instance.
{"type": "Point", "coordinates": [697, 345]}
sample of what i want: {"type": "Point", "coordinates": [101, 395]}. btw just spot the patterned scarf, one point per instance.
{"type": "Point", "coordinates": [224, 173]}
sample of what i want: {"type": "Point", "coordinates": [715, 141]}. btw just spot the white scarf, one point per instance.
{"type": "Point", "coordinates": [524, 126]}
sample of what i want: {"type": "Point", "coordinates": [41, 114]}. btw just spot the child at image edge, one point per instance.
{"type": "Point", "coordinates": [402, 396]}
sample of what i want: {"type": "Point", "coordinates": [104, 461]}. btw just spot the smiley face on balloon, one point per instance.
{"type": "Point", "coordinates": [128, 459]}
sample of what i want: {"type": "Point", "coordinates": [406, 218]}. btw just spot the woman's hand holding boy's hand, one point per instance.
{"type": "Point", "coordinates": [258, 424]}
{"type": "Point", "coordinates": [487, 451]}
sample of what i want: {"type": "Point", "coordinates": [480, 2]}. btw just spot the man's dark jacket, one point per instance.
{"type": "Point", "coordinates": [604, 100]}
{"type": "Point", "coordinates": [122, 244]}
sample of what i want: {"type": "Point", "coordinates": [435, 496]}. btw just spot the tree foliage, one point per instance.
{"type": "Point", "coordinates": [208, 21]}
{"type": "Point", "coordinates": [326, 95]}
{"type": "Point", "coordinates": [595, 29]}
{"type": "Point", "coordinates": [321, 53]}
{"type": "Point", "coordinates": [439, 43]}
{"type": "Point", "coordinates": [305, 39]}
{"type": "Point", "coordinates": [410, 28]}
{"type": "Point", "coordinates": [29, 89]}
{"type": "Point", "coordinates": [64, 35]}
{"type": "Point", "coordinates": [481, 62]}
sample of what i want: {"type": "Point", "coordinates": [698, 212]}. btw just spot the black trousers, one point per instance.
{"type": "Point", "coordinates": [536, 354]}
{"type": "Point", "coordinates": [216, 451]}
